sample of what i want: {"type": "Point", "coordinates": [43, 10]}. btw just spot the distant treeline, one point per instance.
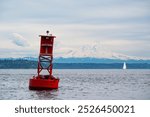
{"type": "Point", "coordinates": [28, 64]}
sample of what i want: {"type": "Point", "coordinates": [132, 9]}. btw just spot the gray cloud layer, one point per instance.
{"type": "Point", "coordinates": [58, 11]}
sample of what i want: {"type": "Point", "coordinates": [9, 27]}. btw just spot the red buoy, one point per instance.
{"type": "Point", "coordinates": [45, 63]}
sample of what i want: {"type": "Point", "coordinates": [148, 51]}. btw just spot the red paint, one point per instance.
{"type": "Point", "coordinates": [45, 56]}
{"type": "Point", "coordinates": [38, 83]}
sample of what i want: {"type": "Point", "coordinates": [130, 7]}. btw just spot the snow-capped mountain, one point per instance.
{"type": "Point", "coordinates": [30, 58]}
{"type": "Point", "coordinates": [96, 51]}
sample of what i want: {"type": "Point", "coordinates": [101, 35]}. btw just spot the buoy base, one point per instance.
{"type": "Point", "coordinates": [43, 82]}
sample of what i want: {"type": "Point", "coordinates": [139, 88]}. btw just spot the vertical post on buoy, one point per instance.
{"type": "Point", "coordinates": [45, 63]}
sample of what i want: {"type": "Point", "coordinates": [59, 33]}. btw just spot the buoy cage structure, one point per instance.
{"type": "Point", "coordinates": [48, 81]}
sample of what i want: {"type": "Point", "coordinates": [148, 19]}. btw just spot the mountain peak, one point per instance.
{"type": "Point", "coordinates": [96, 50]}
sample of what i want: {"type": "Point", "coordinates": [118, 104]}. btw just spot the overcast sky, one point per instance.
{"type": "Point", "coordinates": [121, 26]}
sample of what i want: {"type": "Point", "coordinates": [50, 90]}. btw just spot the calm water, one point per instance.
{"type": "Point", "coordinates": [79, 84]}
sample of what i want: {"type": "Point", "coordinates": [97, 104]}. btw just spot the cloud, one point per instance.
{"type": "Point", "coordinates": [15, 52]}
{"type": "Point", "coordinates": [19, 40]}
{"type": "Point", "coordinates": [70, 11]}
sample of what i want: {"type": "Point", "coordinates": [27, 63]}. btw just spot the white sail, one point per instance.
{"type": "Point", "coordinates": [124, 66]}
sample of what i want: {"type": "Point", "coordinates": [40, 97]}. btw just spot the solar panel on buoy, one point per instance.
{"type": "Point", "coordinates": [42, 81]}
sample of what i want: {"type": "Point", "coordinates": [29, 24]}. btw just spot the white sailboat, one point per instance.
{"type": "Point", "coordinates": [124, 66]}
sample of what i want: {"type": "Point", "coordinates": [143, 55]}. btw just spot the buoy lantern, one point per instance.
{"type": "Point", "coordinates": [45, 59]}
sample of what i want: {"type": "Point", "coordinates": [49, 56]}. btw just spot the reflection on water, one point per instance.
{"type": "Point", "coordinates": [47, 95]}
{"type": "Point", "coordinates": [79, 84]}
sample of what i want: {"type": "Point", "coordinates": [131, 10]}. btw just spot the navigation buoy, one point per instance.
{"type": "Point", "coordinates": [47, 81]}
